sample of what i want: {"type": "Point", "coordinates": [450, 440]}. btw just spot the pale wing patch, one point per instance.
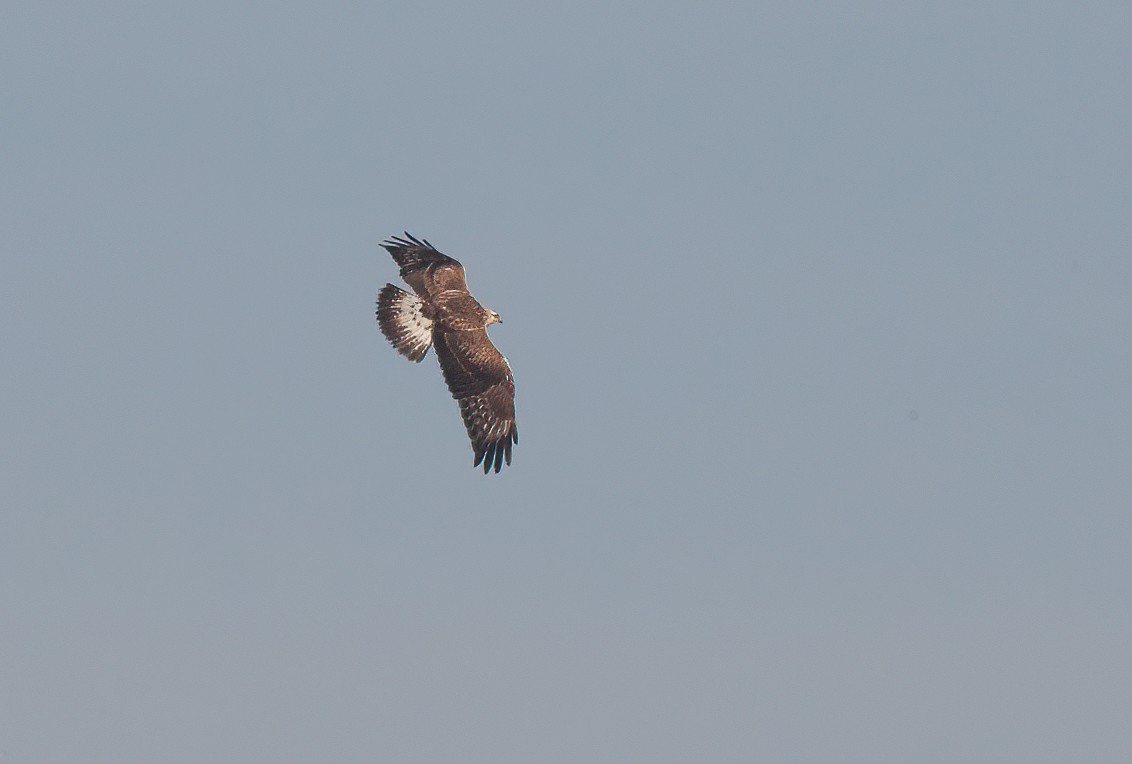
{"type": "Point", "coordinates": [399, 316]}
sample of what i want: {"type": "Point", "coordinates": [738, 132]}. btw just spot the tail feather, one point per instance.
{"type": "Point", "coordinates": [400, 319]}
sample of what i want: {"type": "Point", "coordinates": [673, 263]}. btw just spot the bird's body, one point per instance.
{"type": "Point", "coordinates": [441, 313]}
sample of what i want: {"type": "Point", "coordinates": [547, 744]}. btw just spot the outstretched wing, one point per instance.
{"type": "Point", "coordinates": [425, 268]}
{"type": "Point", "coordinates": [479, 378]}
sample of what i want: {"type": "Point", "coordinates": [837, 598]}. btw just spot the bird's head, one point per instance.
{"type": "Point", "coordinates": [493, 318]}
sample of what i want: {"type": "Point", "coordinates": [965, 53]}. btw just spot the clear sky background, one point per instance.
{"type": "Point", "coordinates": [820, 318]}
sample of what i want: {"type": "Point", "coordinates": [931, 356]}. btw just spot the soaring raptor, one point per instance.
{"type": "Point", "coordinates": [440, 312]}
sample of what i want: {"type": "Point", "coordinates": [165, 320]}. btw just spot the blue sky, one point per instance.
{"type": "Point", "coordinates": [819, 318]}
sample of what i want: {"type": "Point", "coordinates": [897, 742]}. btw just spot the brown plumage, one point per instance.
{"type": "Point", "coordinates": [440, 312]}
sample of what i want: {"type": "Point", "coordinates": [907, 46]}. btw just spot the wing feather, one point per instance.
{"type": "Point", "coordinates": [480, 379]}
{"type": "Point", "coordinates": [425, 268]}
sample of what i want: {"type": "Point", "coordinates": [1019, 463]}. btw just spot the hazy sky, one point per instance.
{"type": "Point", "coordinates": [820, 320]}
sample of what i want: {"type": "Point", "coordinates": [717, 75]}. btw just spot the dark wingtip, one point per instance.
{"type": "Point", "coordinates": [492, 456]}
{"type": "Point", "coordinates": [400, 245]}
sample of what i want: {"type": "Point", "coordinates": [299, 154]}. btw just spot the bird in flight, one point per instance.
{"type": "Point", "coordinates": [441, 313]}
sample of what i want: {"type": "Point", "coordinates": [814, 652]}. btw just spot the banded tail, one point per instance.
{"type": "Point", "coordinates": [400, 319]}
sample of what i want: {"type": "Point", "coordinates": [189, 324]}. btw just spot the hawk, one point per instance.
{"type": "Point", "coordinates": [440, 313]}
